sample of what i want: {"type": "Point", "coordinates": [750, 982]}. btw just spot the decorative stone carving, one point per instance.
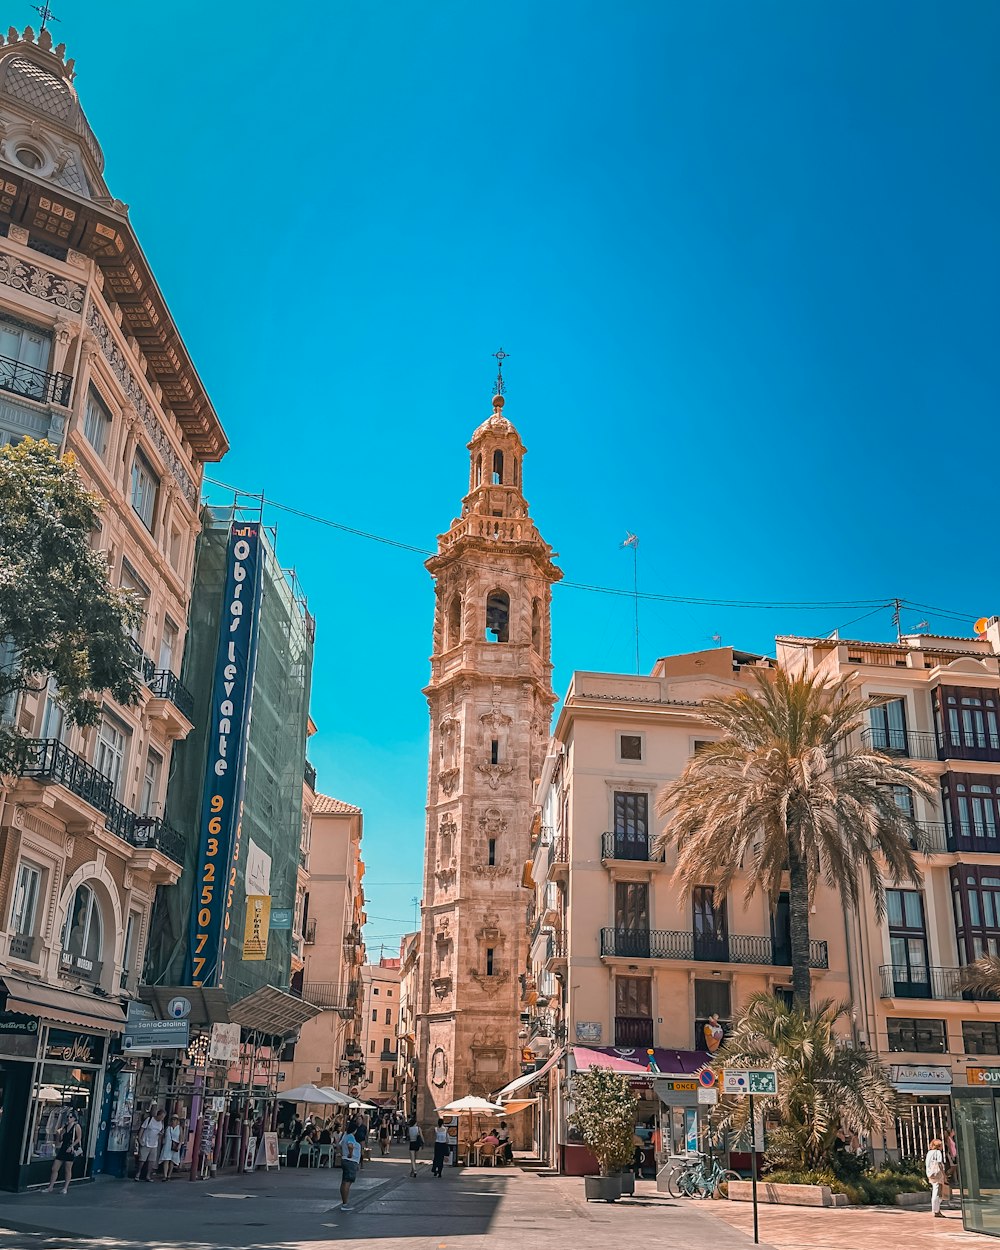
{"type": "Point", "coordinates": [40, 283]}
{"type": "Point", "coordinates": [439, 1067]}
{"type": "Point", "coordinates": [448, 779]}
{"type": "Point", "coordinates": [119, 366]}
{"type": "Point", "coordinates": [491, 986]}
{"type": "Point", "coordinates": [493, 872]}
{"type": "Point", "coordinates": [18, 818]}
{"type": "Point", "coordinates": [70, 844]}
{"type": "Point", "coordinates": [495, 773]}
{"type": "Point", "coordinates": [128, 879]}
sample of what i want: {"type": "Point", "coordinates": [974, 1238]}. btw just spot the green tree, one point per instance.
{"type": "Point", "coordinates": [823, 1084]}
{"type": "Point", "coordinates": [59, 615]}
{"type": "Point", "coordinates": [788, 789]}
{"type": "Point", "coordinates": [982, 977]}
{"type": "Point", "coordinates": [604, 1113]}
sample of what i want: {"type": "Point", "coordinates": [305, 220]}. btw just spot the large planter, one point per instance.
{"type": "Point", "coordinates": [602, 1188]}
{"type": "Point", "coordinates": [787, 1195]}
{"type": "Point", "coordinates": [628, 1183]}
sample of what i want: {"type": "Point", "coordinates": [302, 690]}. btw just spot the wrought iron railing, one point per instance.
{"type": "Point", "coordinates": [309, 774]}
{"type": "Point", "coordinates": [163, 684]}
{"type": "Point", "coordinates": [916, 744]}
{"type": "Point", "coordinates": [737, 948]}
{"type": "Point", "coordinates": [32, 383]}
{"type": "Point", "coordinates": [51, 761]}
{"type": "Point", "coordinates": [560, 849]}
{"type": "Point", "coordinates": [141, 662]}
{"type": "Point", "coordinates": [903, 981]}
{"type": "Point", "coordinates": [620, 846]}
{"type": "Point", "coordinates": [932, 836]}
{"type": "Point", "coordinates": [309, 937]}
{"type": "Point", "coordinates": [633, 1031]}
{"type": "Point", "coordinates": [341, 996]}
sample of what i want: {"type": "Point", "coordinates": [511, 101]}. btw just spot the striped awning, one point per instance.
{"type": "Point", "coordinates": [58, 1006]}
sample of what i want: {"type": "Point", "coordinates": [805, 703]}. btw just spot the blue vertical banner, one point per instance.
{"type": "Point", "coordinates": [225, 772]}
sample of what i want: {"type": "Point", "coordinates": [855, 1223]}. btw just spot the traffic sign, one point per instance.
{"type": "Point", "coordinates": [706, 1078]}
{"type": "Point", "coordinates": [749, 1081]}
{"type": "Point", "coordinates": [708, 1097]}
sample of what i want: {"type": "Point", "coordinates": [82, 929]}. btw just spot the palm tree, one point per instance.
{"type": "Point", "coordinates": [788, 790]}
{"type": "Point", "coordinates": [823, 1085]}
{"type": "Point", "coordinates": [982, 977]}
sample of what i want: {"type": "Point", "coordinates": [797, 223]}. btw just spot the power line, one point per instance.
{"type": "Point", "coordinates": [690, 600]}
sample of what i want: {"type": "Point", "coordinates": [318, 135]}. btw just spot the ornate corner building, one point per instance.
{"type": "Point", "coordinates": [490, 699]}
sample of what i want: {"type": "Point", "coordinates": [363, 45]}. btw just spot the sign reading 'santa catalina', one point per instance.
{"type": "Point", "coordinates": [222, 801]}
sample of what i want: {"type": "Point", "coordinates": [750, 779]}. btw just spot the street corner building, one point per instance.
{"type": "Point", "coordinates": [490, 700]}
{"type": "Point", "coordinates": [91, 360]}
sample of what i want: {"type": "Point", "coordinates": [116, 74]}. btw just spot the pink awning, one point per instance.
{"type": "Point", "coordinates": [585, 1058]}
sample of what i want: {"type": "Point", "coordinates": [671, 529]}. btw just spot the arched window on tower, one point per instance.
{"type": "Point", "coordinates": [536, 626]}
{"type": "Point", "coordinates": [479, 469]}
{"type": "Point", "coordinates": [516, 475]}
{"type": "Point", "coordinates": [498, 468]}
{"type": "Point", "coordinates": [498, 616]}
{"type": "Point", "coordinates": [454, 621]}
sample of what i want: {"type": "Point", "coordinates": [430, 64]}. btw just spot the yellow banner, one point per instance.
{"type": "Point", "coordinates": [257, 923]}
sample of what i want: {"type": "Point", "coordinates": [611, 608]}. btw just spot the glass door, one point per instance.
{"type": "Point", "coordinates": [908, 943]}
{"type": "Point", "coordinates": [711, 937]}
{"type": "Point", "coordinates": [978, 1139]}
{"type": "Point", "coordinates": [631, 825]}
{"type": "Point", "coordinates": [632, 919]}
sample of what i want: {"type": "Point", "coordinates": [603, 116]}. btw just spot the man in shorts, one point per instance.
{"type": "Point", "coordinates": [350, 1158]}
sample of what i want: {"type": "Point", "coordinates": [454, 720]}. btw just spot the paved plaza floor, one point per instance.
{"type": "Point", "coordinates": [467, 1209]}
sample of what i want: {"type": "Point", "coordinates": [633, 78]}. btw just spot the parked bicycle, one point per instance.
{"type": "Point", "coordinates": [702, 1177]}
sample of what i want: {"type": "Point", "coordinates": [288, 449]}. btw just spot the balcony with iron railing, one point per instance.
{"type": "Point", "coordinates": [735, 948]}
{"type": "Point", "coordinates": [163, 684]}
{"type": "Point", "coordinates": [621, 846]}
{"type": "Point", "coordinates": [309, 775]}
{"type": "Point", "coordinates": [555, 950]}
{"type": "Point", "coordinates": [932, 837]}
{"type": "Point", "coordinates": [634, 1031]}
{"type": "Point", "coordinates": [904, 981]}
{"type": "Point", "coordinates": [30, 382]}
{"type": "Point", "coordinates": [310, 934]}
{"type": "Point", "coordinates": [339, 996]}
{"type": "Point", "coordinates": [915, 744]}
{"type": "Point", "coordinates": [50, 761]}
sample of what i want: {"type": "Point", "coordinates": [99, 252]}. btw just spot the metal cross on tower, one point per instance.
{"type": "Point", "coordinates": [500, 357]}
{"type": "Point", "coordinates": [45, 13]}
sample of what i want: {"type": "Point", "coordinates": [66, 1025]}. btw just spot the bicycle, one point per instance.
{"type": "Point", "coordinates": [704, 1177]}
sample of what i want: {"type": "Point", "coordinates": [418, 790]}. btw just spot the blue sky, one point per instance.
{"type": "Point", "coordinates": [744, 258]}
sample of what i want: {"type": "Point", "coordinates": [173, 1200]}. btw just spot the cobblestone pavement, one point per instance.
{"type": "Point", "coordinates": [857, 1228]}
{"type": "Point", "coordinates": [467, 1209]}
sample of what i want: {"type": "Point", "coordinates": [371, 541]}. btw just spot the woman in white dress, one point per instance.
{"type": "Point", "coordinates": [170, 1151]}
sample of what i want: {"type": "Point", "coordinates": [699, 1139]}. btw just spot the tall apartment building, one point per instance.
{"type": "Point", "coordinates": [90, 359]}
{"type": "Point", "coordinates": [406, 1028]}
{"type": "Point", "coordinates": [379, 1026]}
{"type": "Point", "coordinates": [237, 785]}
{"type": "Point", "coordinates": [328, 1051]}
{"type": "Point", "coordinates": [938, 704]}
{"type": "Point", "coordinates": [622, 960]}
{"type": "Point", "coordinates": [490, 699]}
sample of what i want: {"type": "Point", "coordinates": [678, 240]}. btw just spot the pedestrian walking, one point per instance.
{"type": "Point", "coordinates": [951, 1157]}
{"type": "Point", "coordinates": [70, 1148]}
{"type": "Point", "coordinates": [936, 1172]}
{"type": "Point", "coordinates": [384, 1136]}
{"type": "Point", "coordinates": [350, 1161]}
{"type": "Point", "coordinates": [506, 1149]}
{"type": "Point", "coordinates": [361, 1133]}
{"type": "Point", "coordinates": [415, 1143]}
{"type": "Point", "coordinates": [170, 1151]}
{"type": "Point", "coordinates": [440, 1148]}
{"type": "Point", "coordinates": [150, 1134]}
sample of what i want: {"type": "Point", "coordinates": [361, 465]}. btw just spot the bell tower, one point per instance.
{"type": "Point", "coordinates": [490, 699]}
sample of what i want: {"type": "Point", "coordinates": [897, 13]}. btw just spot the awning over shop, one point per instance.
{"type": "Point", "coordinates": [518, 1104]}
{"type": "Point", "coordinates": [915, 1087]}
{"type": "Point", "coordinates": [930, 1079]}
{"type": "Point", "coordinates": [584, 1057]}
{"type": "Point", "coordinates": [272, 1011]}
{"type": "Point", "coordinates": [80, 1011]}
{"type": "Point", "coordinates": [208, 1006]}
{"type": "Point", "coordinates": [529, 1078]}
{"type": "Point", "coordinates": [669, 1062]}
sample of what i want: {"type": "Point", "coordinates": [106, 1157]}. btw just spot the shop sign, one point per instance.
{"type": "Point", "coordinates": [983, 1076]}
{"type": "Point", "coordinates": [281, 917]}
{"type": "Point", "coordinates": [11, 1023]}
{"type": "Point", "coordinates": [225, 774]}
{"type": "Point", "coordinates": [65, 1047]}
{"type": "Point", "coordinates": [922, 1074]}
{"type": "Point", "coordinates": [588, 1030]}
{"type": "Point", "coordinates": [677, 1087]}
{"type": "Point", "coordinates": [225, 1044]}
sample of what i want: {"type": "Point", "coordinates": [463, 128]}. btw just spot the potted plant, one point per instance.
{"type": "Point", "coordinates": [604, 1114]}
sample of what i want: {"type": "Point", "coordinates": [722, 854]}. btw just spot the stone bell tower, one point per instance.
{"type": "Point", "coordinates": [490, 699]}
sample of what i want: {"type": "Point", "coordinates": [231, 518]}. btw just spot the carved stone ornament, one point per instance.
{"type": "Point", "coordinates": [40, 283]}
{"type": "Point", "coordinates": [493, 872]}
{"type": "Point", "coordinates": [128, 879]}
{"type": "Point", "coordinates": [445, 875]}
{"type": "Point", "coordinates": [441, 986]}
{"type": "Point", "coordinates": [439, 1067]}
{"type": "Point", "coordinates": [491, 986]}
{"type": "Point", "coordinates": [448, 779]}
{"type": "Point", "coordinates": [70, 844]}
{"type": "Point", "coordinates": [495, 719]}
{"type": "Point", "coordinates": [18, 818]}
{"type": "Point", "coordinates": [495, 773]}
{"type": "Point", "coordinates": [119, 366]}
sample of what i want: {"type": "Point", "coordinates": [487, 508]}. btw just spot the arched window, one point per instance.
{"type": "Point", "coordinates": [498, 468]}
{"type": "Point", "coordinates": [455, 621]}
{"type": "Point", "coordinates": [536, 626]}
{"type": "Point", "coordinates": [479, 469]}
{"type": "Point", "coordinates": [83, 935]}
{"type": "Point", "coordinates": [515, 477]}
{"type": "Point", "coordinates": [498, 616]}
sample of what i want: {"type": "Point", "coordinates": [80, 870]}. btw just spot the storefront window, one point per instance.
{"type": "Point", "coordinates": [978, 1160]}
{"type": "Point", "coordinates": [59, 1091]}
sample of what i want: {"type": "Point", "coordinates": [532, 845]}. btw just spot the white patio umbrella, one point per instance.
{"type": "Point", "coordinates": [311, 1094]}
{"type": "Point", "coordinates": [470, 1105]}
{"type": "Point", "coordinates": [340, 1100]}
{"type": "Point", "coordinates": [363, 1106]}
